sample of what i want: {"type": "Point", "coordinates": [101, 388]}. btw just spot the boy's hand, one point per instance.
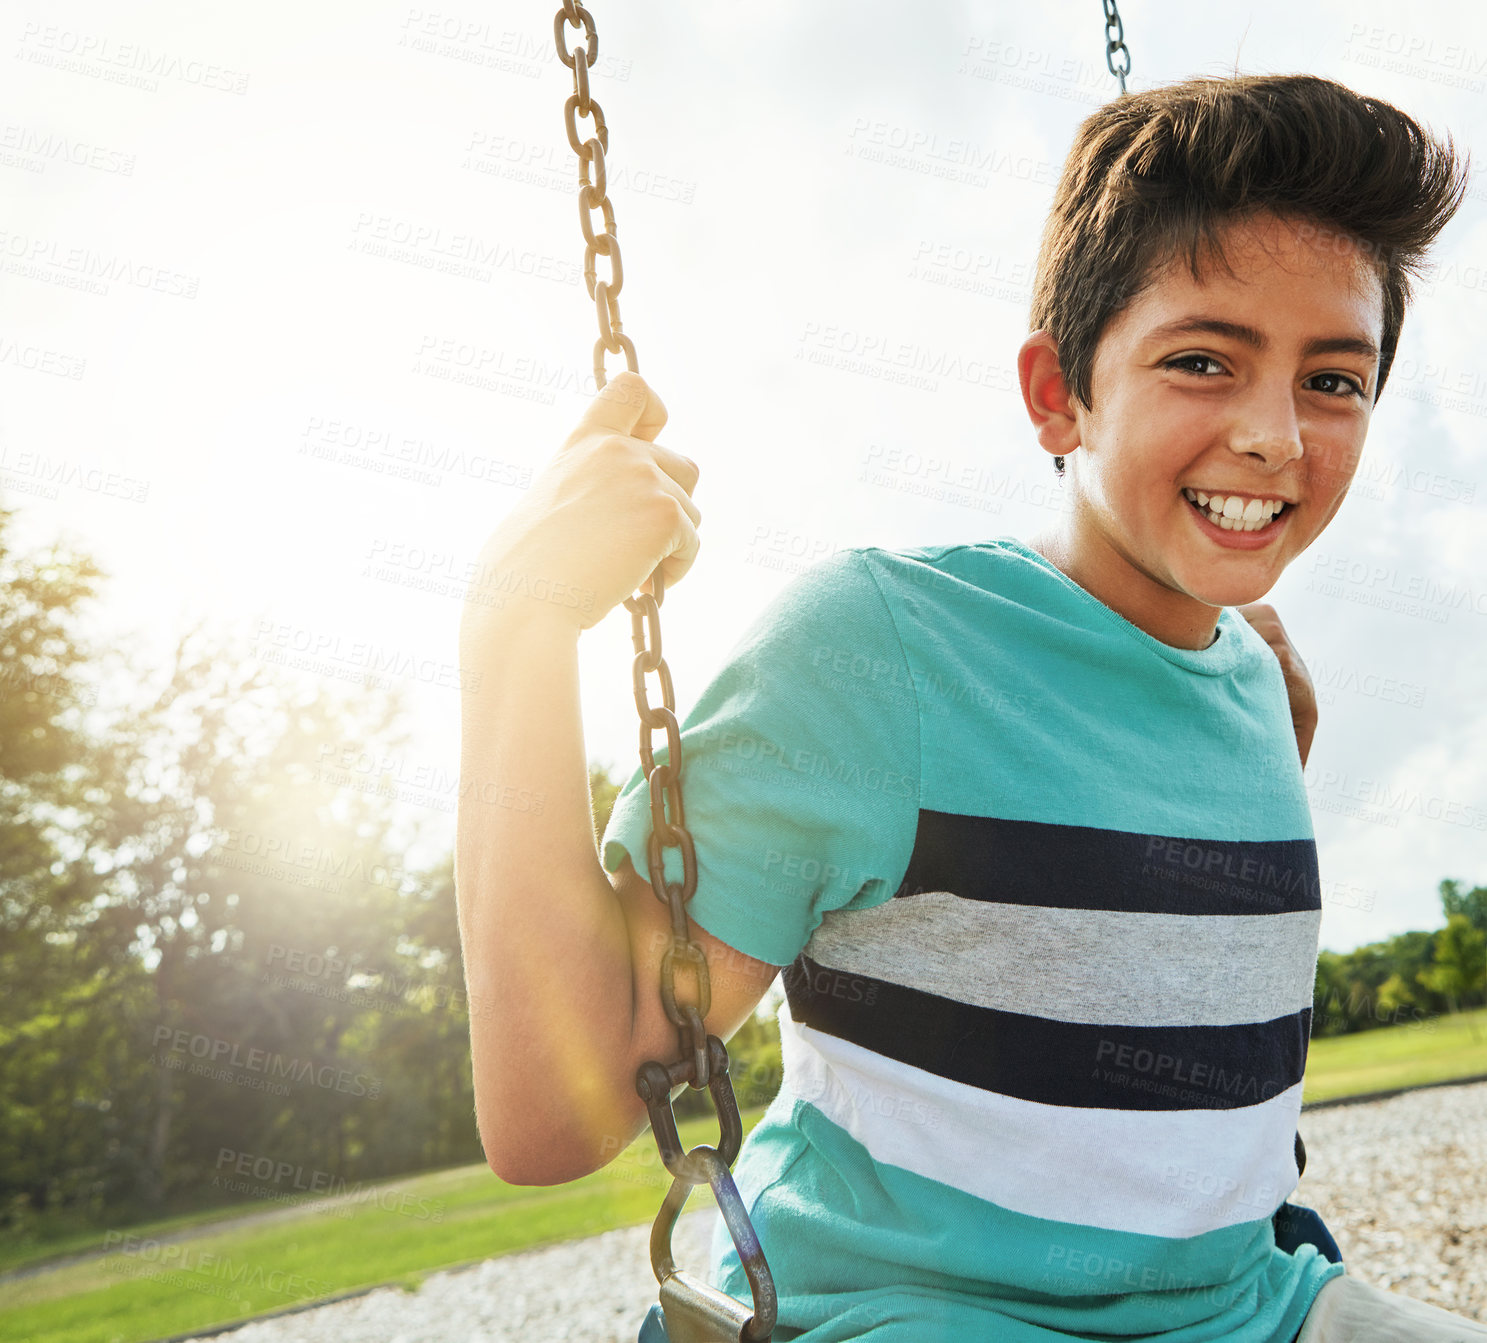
{"type": "Point", "coordinates": [609, 508]}
{"type": "Point", "coordinates": [1266, 624]}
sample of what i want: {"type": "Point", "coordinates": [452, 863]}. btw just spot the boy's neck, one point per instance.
{"type": "Point", "coordinates": [1178, 622]}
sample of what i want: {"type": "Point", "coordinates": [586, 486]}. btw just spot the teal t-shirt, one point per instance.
{"type": "Point", "coordinates": [1046, 894]}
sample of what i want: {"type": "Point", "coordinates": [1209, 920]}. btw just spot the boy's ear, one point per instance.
{"type": "Point", "coordinates": [1046, 395]}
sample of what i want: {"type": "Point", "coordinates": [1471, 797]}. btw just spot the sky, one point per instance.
{"type": "Point", "coordinates": [291, 315]}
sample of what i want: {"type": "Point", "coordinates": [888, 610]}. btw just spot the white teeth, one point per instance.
{"type": "Point", "coordinates": [1233, 513]}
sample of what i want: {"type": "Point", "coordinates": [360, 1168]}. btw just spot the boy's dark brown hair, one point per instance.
{"type": "Point", "coordinates": [1159, 174]}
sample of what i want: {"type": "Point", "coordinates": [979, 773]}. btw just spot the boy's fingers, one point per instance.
{"type": "Point", "coordinates": [682, 497]}
{"type": "Point", "coordinates": [1259, 612]}
{"type": "Point", "coordinates": [1267, 624]}
{"type": "Point", "coordinates": [681, 469]}
{"type": "Point", "coordinates": [624, 405]}
{"type": "Point", "coordinates": [676, 564]}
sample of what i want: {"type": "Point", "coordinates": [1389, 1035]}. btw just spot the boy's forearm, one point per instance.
{"type": "Point", "coordinates": [547, 955]}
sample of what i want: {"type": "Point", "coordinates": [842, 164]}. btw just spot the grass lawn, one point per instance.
{"type": "Point", "coordinates": [56, 1238]}
{"type": "Point", "coordinates": [216, 1274]}
{"type": "Point", "coordinates": [144, 1289]}
{"type": "Point", "coordinates": [1397, 1056]}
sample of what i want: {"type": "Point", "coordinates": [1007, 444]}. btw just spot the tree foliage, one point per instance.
{"type": "Point", "coordinates": [1408, 977]}
{"type": "Point", "coordinates": [210, 943]}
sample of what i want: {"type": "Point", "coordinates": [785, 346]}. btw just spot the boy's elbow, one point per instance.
{"type": "Point", "coordinates": [513, 1168]}
{"type": "Point", "coordinates": [542, 1165]}
{"type": "Point", "coordinates": [546, 1158]}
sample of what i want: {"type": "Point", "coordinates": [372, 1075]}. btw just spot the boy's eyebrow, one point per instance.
{"type": "Point", "coordinates": [1255, 339]}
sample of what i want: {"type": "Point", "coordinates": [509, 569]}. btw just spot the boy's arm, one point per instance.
{"type": "Point", "coordinates": [563, 967]}
{"type": "Point", "coordinates": [1299, 688]}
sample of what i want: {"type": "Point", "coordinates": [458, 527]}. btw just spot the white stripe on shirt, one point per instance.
{"type": "Point", "coordinates": [1175, 1173]}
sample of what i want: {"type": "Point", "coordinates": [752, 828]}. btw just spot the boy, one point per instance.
{"type": "Point", "coordinates": [1025, 824]}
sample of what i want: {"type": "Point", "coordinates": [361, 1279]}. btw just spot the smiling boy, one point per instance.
{"type": "Point", "coordinates": [1024, 824]}
{"type": "Point", "coordinates": [1231, 419]}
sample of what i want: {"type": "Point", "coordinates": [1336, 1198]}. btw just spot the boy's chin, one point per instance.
{"type": "Point", "coordinates": [1231, 578]}
{"type": "Point", "coordinates": [1230, 592]}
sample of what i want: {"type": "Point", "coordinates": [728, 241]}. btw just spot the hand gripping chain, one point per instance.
{"type": "Point", "coordinates": [695, 1312]}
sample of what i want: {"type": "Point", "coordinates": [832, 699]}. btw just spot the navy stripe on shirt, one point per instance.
{"type": "Point", "coordinates": [1081, 867]}
{"type": "Point", "coordinates": [1054, 1062]}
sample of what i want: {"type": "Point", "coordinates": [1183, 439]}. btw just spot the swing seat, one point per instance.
{"type": "Point", "coordinates": [1295, 1226]}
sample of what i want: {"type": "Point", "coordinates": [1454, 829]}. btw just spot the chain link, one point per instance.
{"type": "Point", "coordinates": [593, 193]}
{"type": "Point", "coordinates": [704, 1059]}
{"type": "Point", "coordinates": [1115, 45]}
{"type": "Point", "coordinates": [668, 822]}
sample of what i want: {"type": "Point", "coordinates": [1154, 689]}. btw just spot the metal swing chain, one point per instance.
{"type": "Point", "coordinates": [593, 191]}
{"type": "Point", "coordinates": [698, 1311]}
{"type": "Point", "coordinates": [1115, 44]}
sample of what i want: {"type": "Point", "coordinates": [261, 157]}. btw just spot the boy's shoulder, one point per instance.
{"type": "Point", "coordinates": [952, 572]}
{"type": "Point", "coordinates": [954, 562]}
{"type": "Point", "coordinates": [1001, 588]}
{"type": "Point", "coordinates": [925, 603]}
{"type": "Point", "coordinates": [888, 603]}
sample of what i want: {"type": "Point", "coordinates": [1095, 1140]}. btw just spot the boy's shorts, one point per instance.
{"type": "Point", "coordinates": [1349, 1311]}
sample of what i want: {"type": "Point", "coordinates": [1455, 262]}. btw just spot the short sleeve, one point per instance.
{"type": "Point", "coordinates": [800, 768]}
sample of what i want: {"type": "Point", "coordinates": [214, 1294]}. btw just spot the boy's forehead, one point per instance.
{"type": "Point", "coordinates": [1264, 241]}
{"type": "Point", "coordinates": [1307, 259]}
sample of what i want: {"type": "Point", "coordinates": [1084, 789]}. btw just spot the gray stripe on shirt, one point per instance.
{"type": "Point", "coordinates": [1098, 967]}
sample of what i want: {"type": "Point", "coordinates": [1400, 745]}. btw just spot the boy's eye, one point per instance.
{"type": "Point", "coordinates": [1184, 359]}
{"type": "Point", "coordinates": [1347, 385]}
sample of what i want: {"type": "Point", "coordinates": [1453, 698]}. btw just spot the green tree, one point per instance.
{"type": "Point", "coordinates": [59, 992]}
{"type": "Point", "coordinates": [1374, 985]}
{"type": "Point", "coordinates": [1397, 998]}
{"type": "Point", "coordinates": [1460, 969]}
{"type": "Point", "coordinates": [262, 884]}
{"type": "Point", "coordinates": [1472, 903]}
{"type": "Point", "coordinates": [202, 861]}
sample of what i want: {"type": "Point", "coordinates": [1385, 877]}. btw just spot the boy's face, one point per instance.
{"type": "Point", "coordinates": [1263, 410]}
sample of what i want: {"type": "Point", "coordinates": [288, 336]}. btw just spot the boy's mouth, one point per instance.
{"type": "Point", "coordinates": [1235, 513]}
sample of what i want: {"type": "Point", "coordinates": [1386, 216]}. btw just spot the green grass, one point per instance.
{"type": "Point", "coordinates": [430, 1222]}
{"type": "Point", "coordinates": [413, 1227]}
{"type": "Point", "coordinates": [58, 1237]}
{"type": "Point", "coordinates": [1433, 1050]}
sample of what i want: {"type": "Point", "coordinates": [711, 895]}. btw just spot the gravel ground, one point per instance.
{"type": "Point", "coordinates": [1401, 1183]}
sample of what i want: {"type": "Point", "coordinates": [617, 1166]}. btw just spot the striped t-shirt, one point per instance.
{"type": "Point", "coordinates": [1046, 893]}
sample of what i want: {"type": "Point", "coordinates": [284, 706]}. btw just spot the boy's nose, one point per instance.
{"type": "Point", "coordinates": [1266, 426]}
